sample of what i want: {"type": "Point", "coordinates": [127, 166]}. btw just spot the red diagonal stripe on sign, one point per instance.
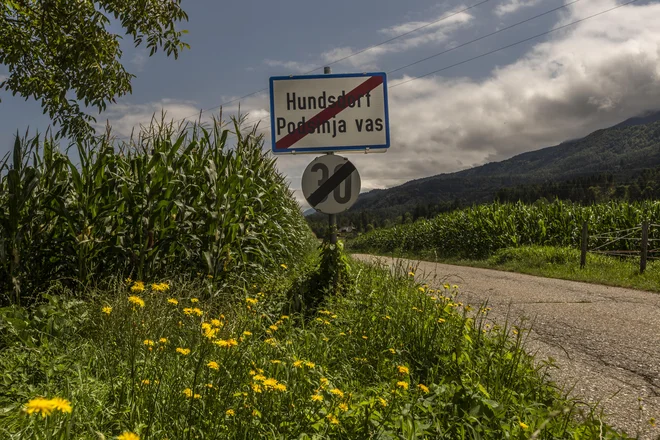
{"type": "Point", "coordinates": [328, 113]}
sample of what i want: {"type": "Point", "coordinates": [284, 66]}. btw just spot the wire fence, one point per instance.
{"type": "Point", "coordinates": [641, 242]}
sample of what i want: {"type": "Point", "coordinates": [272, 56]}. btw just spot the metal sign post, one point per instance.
{"type": "Point", "coordinates": [332, 219]}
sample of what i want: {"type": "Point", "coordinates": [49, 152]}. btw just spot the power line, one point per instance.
{"type": "Point", "coordinates": [513, 44]}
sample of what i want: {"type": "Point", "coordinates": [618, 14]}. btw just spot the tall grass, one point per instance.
{"type": "Point", "coordinates": [479, 231]}
{"type": "Point", "coordinates": [388, 359]}
{"type": "Point", "coordinates": [174, 201]}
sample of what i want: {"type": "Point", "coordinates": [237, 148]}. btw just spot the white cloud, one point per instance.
{"type": "Point", "coordinates": [514, 5]}
{"type": "Point", "coordinates": [586, 77]}
{"type": "Point", "coordinates": [433, 33]}
{"type": "Point", "coordinates": [139, 60]}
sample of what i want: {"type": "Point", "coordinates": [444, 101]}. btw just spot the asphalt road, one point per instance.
{"type": "Point", "coordinates": [605, 340]}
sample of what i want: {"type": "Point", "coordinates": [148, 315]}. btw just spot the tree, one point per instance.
{"type": "Point", "coordinates": [61, 53]}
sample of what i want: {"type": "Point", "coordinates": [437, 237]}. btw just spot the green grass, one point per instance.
{"type": "Point", "coordinates": [462, 378]}
{"type": "Point", "coordinates": [562, 263]}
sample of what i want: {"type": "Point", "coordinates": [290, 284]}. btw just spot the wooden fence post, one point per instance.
{"type": "Point", "coordinates": [585, 243]}
{"type": "Point", "coordinates": [645, 246]}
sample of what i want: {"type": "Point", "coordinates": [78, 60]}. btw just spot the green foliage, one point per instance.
{"type": "Point", "coordinates": [479, 231]}
{"type": "Point", "coordinates": [176, 201]}
{"type": "Point", "coordinates": [61, 52]}
{"type": "Point", "coordinates": [388, 359]}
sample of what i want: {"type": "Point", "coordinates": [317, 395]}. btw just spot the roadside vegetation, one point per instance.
{"type": "Point", "coordinates": [171, 289]}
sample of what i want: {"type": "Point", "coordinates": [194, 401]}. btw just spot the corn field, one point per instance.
{"type": "Point", "coordinates": [173, 201]}
{"type": "Point", "coordinates": [479, 231]}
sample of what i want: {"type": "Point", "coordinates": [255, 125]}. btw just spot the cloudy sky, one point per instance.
{"type": "Point", "coordinates": [562, 85]}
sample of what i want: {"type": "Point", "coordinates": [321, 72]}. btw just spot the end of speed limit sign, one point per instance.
{"type": "Point", "coordinates": [331, 184]}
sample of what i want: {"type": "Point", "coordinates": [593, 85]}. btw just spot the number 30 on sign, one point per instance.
{"type": "Point", "coordinates": [331, 184]}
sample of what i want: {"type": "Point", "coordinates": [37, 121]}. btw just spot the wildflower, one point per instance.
{"type": "Point", "coordinates": [337, 392]}
{"type": "Point", "coordinates": [128, 280]}
{"type": "Point", "coordinates": [280, 387]}
{"type": "Point", "coordinates": [270, 382]}
{"type": "Point", "coordinates": [146, 382]}
{"type": "Point", "coordinates": [334, 420]}
{"type": "Point", "coordinates": [391, 350]}
{"type": "Point", "coordinates": [343, 407]}
{"type": "Point", "coordinates": [402, 384]}
{"type": "Point", "coordinates": [317, 398]}
{"type": "Point", "coordinates": [213, 365]}
{"type": "Point", "coordinates": [196, 396]}
{"type": "Point", "coordinates": [247, 333]}
{"type": "Point", "coordinates": [421, 289]}
{"type": "Point", "coordinates": [310, 364]}
{"type": "Point", "coordinates": [423, 387]}
{"type": "Point", "coordinates": [403, 369]}
{"type": "Point", "coordinates": [283, 266]}
{"type": "Point", "coordinates": [255, 387]}
{"type": "Point", "coordinates": [210, 333]}
{"type": "Point", "coordinates": [107, 310]}
{"type": "Point", "coordinates": [216, 323]}
{"type": "Point", "coordinates": [324, 382]}
{"type": "Point", "coordinates": [128, 436]}
{"type": "Point", "coordinates": [172, 301]}
{"type": "Point", "coordinates": [284, 317]}
{"type": "Point", "coordinates": [440, 320]}
{"type": "Point", "coordinates": [188, 392]}
{"type": "Point", "coordinates": [136, 300]}
{"type": "Point", "coordinates": [382, 402]}
{"type": "Point", "coordinates": [194, 300]}
{"type": "Point", "coordinates": [251, 300]}
{"type": "Point", "coordinates": [230, 412]}
{"type": "Point", "coordinates": [183, 351]}
{"type": "Point", "coordinates": [148, 342]}
{"type": "Point", "coordinates": [228, 343]}
{"type": "Point", "coordinates": [209, 385]}
{"type": "Point", "coordinates": [411, 273]}
{"type": "Point", "coordinates": [325, 312]}
{"type": "Point", "coordinates": [163, 340]}
{"type": "Point", "coordinates": [523, 425]}
{"type": "Point", "coordinates": [61, 405]}
{"type": "Point", "coordinates": [197, 311]}
{"type": "Point", "coordinates": [271, 341]}
{"type": "Point", "coordinates": [273, 327]}
{"type": "Point", "coordinates": [160, 287]}
{"type": "Point", "coordinates": [137, 287]}
{"type": "Point", "coordinates": [342, 334]}
{"type": "Point", "coordinates": [298, 364]}
{"type": "Point", "coordinates": [364, 337]}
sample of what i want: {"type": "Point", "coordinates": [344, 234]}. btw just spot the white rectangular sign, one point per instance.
{"type": "Point", "coordinates": [323, 113]}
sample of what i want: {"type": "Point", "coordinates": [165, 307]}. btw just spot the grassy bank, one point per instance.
{"type": "Point", "coordinates": [388, 359]}
{"type": "Point", "coordinates": [558, 262]}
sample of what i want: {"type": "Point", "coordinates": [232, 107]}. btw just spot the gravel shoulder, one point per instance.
{"type": "Point", "coordinates": [605, 340]}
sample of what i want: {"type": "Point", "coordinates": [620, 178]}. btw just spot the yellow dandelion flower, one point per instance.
{"type": "Point", "coordinates": [260, 377]}
{"type": "Point", "coordinates": [273, 327]}
{"type": "Point", "coordinates": [523, 425]}
{"type": "Point", "coordinates": [280, 387]}
{"type": "Point", "coordinates": [107, 310]}
{"type": "Point", "coordinates": [126, 435]}
{"type": "Point", "coordinates": [247, 333]}
{"type": "Point", "coordinates": [324, 382]}
{"type": "Point", "coordinates": [209, 385]}
{"type": "Point", "coordinates": [255, 387]}
{"type": "Point", "coordinates": [317, 398]}
{"type": "Point", "coordinates": [284, 317]}
{"type": "Point", "coordinates": [440, 320]}
{"type": "Point", "coordinates": [391, 350]}
{"type": "Point", "coordinates": [194, 300]}
{"type": "Point", "coordinates": [183, 351]}
{"type": "Point", "coordinates": [128, 280]}
{"type": "Point", "coordinates": [283, 266]}
{"type": "Point", "coordinates": [197, 396]}
{"type": "Point", "coordinates": [216, 323]}
{"type": "Point", "coordinates": [160, 287]}
{"type": "Point", "coordinates": [197, 311]}
{"type": "Point", "coordinates": [213, 365]}
{"type": "Point", "coordinates": [146, 382]}
{"type": "Point", "coordinates": [136, 300]}
{"type": "Point", "coordinates": [137, 287]}
{"type": "Point", "coordinates": [403, 369]}
{"type": "Point", "coordinates": [188, 310]}
{"type": "Point", "coordinates": [149, 342]}
{"type": "Point", "coordinates": [421, 289]}
{"type": "Point", "coordinates": [172, 301]}
{"type": "Point", "coordinates": [343, 407]}
{"type": "Point", "coordinates": [188, 392]}
{"type": "Point", "coordinates": [310, 364]}
{"type": "Point", "coordinates": [332, 419]}
{"type": "Point", "coordinates": [337, 392]}
{"type": "Point", "coordinates": [271, 341]}
{"type": "Point", "coordinates": [298, 364]}
{"type": "Point", "coordinates": [402, 384]}
{"type": "Point", "coordinates": [251, 301]}
{"type": "Point", "coordinates": [163, 340]}
{"type": "Point", "coordinates": [382, 402]}
{"type": "Point", "coordinates": [270, 383]}
{"type": "Point", "coordinates": [423, 387]}
{"type": "Point", "coordinates": [364, 337]}
{"type": "Point", "coordinates": [411, 273]}
{"type": "Point", "coordinates": [230, 412]}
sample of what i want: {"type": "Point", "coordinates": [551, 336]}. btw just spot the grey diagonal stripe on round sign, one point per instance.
{"type": "Point", "coordinates": [329, 185]}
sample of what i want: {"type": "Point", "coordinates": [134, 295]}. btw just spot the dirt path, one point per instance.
{"type": "Point", "coordinates": [605, 340]}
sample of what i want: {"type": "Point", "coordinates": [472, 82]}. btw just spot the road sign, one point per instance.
{"type": "Point", "coordinates": [324, 113]}
{"type": "Point", "coordinates": [331, 184]}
